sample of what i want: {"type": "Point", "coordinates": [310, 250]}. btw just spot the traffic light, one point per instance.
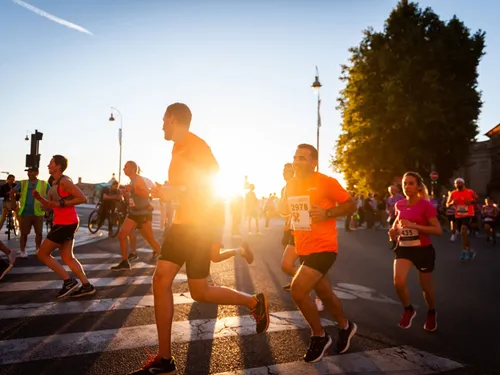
{"type": "Point", "coordinates": [33, 158]}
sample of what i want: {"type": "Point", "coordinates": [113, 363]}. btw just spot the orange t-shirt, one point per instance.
{"type": "Point", "coordinates": [325, 192]}
{"type": "Point", "coordinates": [462, 209]}
{"type": "Point", "coordinates": [193, 166]}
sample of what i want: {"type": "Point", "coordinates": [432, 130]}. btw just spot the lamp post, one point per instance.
{"type": "Point", "coordinates": [316, 86]}
{"type": "Point", "coordinates": [120, 133]}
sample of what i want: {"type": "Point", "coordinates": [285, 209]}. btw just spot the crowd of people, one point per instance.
{"type": "Point", "coordinates": [310, 201]}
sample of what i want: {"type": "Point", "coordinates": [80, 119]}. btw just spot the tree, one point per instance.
{"type": "Point", "coordinates": [410, 100]}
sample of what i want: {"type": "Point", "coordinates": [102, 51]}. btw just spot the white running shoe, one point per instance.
{"type": "Point", "coordinates": [319, 304]}
{"type": "Point", "coordinates": [453, 237]}
{"type": "Point", "coordinates": [23, 254]}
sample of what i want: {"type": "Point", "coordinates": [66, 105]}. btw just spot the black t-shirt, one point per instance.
{"type": "Point", "coordinates": [107, 190]}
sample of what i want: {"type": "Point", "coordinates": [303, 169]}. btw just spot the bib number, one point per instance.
{"type": "Point", "coordinates": [409, 238]}
{"type": "Point", "coordinates": [462, 210]}
{"type": "Point", "coordinates": [299, 208]}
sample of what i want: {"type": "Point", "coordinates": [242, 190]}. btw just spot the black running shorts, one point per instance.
{"type": "Point", "coordinates": [62, 233]}
{"type": "Point", "coordinates": [320, 262]}
{"type": "Point", "coordinates": [423, 257]}
{"type": "Point", "coordinates": [140, 220]}
{"type": "Point", "coordinates": [459, 221]}
{"type": "Point", "coordinates": [189, 244]}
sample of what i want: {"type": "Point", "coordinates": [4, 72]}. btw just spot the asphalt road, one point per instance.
{"type": "Point", "coordinates": [111, 332]}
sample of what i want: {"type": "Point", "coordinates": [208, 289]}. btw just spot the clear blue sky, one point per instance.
{"type": "Point", "coordinates": [244, 67]}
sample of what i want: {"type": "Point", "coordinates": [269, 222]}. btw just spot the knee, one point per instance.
{"type": "Point", "coordinates": [67, 258]}
{"type": "Point", "coordinates": [298, 294]}
{"type": "Point", "coordinates": [463, 229]}
{"type": "Point", "coordinates": [399, 282]}
{"type": "Point", "coordinates": [161, 282]}
{"type": "Point", "coordinates": [199, 295]}
{"type": "Point", "coordinates": [287, 268]}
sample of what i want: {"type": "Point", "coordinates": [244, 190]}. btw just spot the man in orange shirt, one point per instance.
{"type": "Point", "coordinates": [191, 237]}
{"type": "Point", "coordinates": [463, 200]}
{"type": "Point", "coordinates": [313, 201]}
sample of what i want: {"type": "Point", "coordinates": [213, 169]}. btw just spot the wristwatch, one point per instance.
{"type": "Point", "coordinates": [62, 203]}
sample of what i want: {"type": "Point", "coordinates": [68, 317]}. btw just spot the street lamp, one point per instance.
{"type": "Point", "coordinates": [316, 86]}
{"type": "Point", "coordinates": [120, 132]}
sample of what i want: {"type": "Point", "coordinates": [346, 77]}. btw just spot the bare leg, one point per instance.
{"type": "Point", "coordinates": [68, 257]}
{"type": "Point", "coordinates": [401, 269]}
{"type": "Point", "coordinates": [127, 228]}
{"type": "Point", "coordinates": [45, 256]}
{"type": "Point", "coordinates": [427, 284]}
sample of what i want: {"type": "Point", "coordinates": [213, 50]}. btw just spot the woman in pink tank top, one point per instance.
{"type": "Point", "coordinates": [62, 198]}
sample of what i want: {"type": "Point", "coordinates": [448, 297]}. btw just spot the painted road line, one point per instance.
{"type": "Point", "coordinates": [86, 267]}
{"type": "Point", "coordinates": [20, 286]}
{"type": "Point", "coordinates": [70, 344]}
{"type": "Point", "coordinates": [87, 256]}
{"type": "Point", "coordinates": [398, 360]}
{"type": "Point", "coordinates": [27, 310]}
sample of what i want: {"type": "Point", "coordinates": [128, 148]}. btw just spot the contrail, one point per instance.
{"type": "Point", "coordinates": [51, 17]}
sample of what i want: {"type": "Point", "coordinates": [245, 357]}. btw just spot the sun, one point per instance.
{"type": "Point", "coordinates": [226, 186]}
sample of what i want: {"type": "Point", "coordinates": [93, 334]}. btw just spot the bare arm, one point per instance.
{"type": "Point", "coordinates": [449, 201]}
{"type": "Point", "coordinates": [109, 197]}
{"type": "Point", "coordinates": [344, 209]}
{"type": "Point", "coordinates": [78, 197]}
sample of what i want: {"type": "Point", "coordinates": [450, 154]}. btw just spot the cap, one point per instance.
{"type": "Point", "coordinates": [460, 179]}
{"type": "Point", "coordinates": [33, 169]}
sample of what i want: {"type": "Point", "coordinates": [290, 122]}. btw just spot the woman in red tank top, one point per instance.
{"type": "Point", "coordinates": [63, 196]}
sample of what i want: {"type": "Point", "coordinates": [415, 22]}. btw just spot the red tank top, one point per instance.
{"type": "Point", "coordinates": [63, 215]}
{"type": "Point", "coordinates": [462, 209]}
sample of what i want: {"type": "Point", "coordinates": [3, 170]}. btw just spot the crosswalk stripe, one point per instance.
{"type": "Point", "coordinates": [98, 282]}
{"type": "Point", "coordinates": [87, 256]}
{"type": "Point", "coordinates": [86, 267]}
{"type": "Point", "coordinates": [70, 344]}
{"type": "Point", "coordinates": [400, 360]}
{"type": "Point", "coordinates": [26, 310]}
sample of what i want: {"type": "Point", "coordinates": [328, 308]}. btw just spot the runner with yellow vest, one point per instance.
{"type": "Point", "coordinates": [31, 211]}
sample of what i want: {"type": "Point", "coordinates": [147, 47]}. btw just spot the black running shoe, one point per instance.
{"type": "Point", "coordinates": [317, 348]}
{"type": "Point", "coordinates": [68, 287]}
{"type": "Point", "coordinates": [4, 268]}
{"type": "Point", "coordinates": [132, 257]}
{"type": "Point", "coordinates": [157, 365]}
{"type": "Point", "coordinates": [124, 265]}
{"type": "Point", "coordinates": [261, 312]}
{"type": "Point", "coordinates": [345, 336]}
{"type": "Point", "coordinates": [84, 291]}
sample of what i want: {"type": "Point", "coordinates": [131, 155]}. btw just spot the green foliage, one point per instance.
{"type": "Point", "coordinates": [410, 100]}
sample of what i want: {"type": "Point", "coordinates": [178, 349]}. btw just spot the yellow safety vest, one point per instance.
{"type": "Point", "coordinates": [41, 187]}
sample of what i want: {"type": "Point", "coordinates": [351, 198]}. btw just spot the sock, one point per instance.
{"type": "Point", "coordinates": [67, 281]}
{"type": "Point", "coordinates": [86, 285]}
{"type": "Point", "coordinates": [409, 307]}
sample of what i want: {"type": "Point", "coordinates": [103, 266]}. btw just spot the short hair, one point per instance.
{"type": "Point", "coordinates": [181, 112]}
{"type": "Point", "coordinates": [311, 148]}
{"type": "Point", "coordinates": [61, 161]}
{"type": "Point", "coordinates": [11, 176]}
{"type": "Point", "coordinates": [134, 165]}
{"type": "Point", "coordinates": [114, 183]}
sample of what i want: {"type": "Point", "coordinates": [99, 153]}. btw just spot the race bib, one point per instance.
{"type": "Point", "coordinates": [409, 237]}
{"type": "Point", "coordinates": [131, 202]}
{"type": "Point", "coordinates": [299, 208]}
{"type": "Point", "coordinates": [486, 219]}
{"type": "Point", "coordinates": [462, 210]}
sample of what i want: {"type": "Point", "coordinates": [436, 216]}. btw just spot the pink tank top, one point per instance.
{"type": "Point", "coordinates": [62, 215]}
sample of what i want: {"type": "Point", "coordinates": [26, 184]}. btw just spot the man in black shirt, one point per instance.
{"type": "Point", "coordinates": [7, 204]}
{"type": "Point", "coordinates": [110, 195]}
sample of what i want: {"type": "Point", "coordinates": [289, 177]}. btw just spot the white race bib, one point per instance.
{"type": "Point", "coordinates": [299, 208]}
{"type": "Point", "coordinates": [486, 219]}
{"type": "Point", "coordinates": [462, 210]}
{"type": "Point", "coordinates": [409, 237]}
{"type": "Point", "coordinates": [131, 202]}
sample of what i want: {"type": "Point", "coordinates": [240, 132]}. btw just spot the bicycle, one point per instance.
{"type": "Point", "coordinates": [12, 224]}
{"type": "Point", "coordinates": [115, 220]}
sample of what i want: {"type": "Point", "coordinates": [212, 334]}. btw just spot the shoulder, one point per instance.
{"type": "Point", "coordinates": [399, 203]}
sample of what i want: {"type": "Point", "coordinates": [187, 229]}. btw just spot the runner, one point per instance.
{"type": "Point", "coordinates": [4, 266]}
{"type": "Point", "coordinates": [416, 220]}
{"type": "Point", "coordinates": [31, 212]}
{"type": "Point", "coordinates": [288, 243]}
{"type": "Point", "coordinates": [63, 196]}
{"type": "Point", "coordinates": [189, 240]}
{"type": "Point", "coordinates": [314, 200]}
{"type": "Point", "coordinates": [140, 216]}
{"type": "Point", "coordinates": [463, 199]}
{"type": "Point", "coordinates": [489, 212]}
